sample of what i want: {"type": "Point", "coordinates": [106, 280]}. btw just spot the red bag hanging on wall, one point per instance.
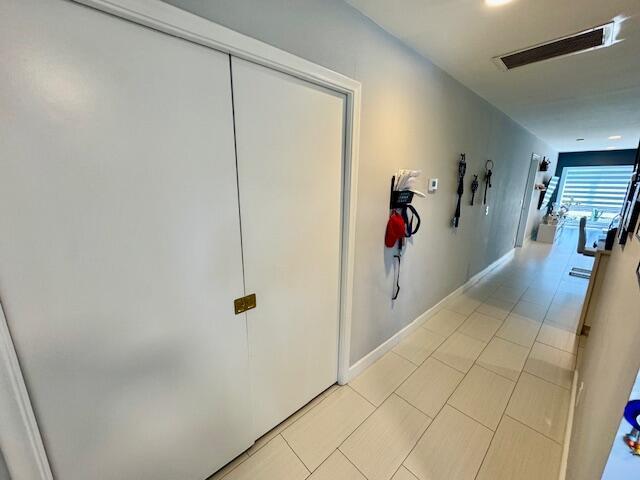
{"type": "Point", "coordinates": [396, 229]}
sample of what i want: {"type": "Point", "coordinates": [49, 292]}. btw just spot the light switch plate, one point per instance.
{"type": "Point", "coordinates": [433, 185]}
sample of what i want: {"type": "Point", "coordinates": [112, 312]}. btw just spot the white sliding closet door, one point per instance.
{"type": "Point", "coordinates": [120, 247]}
{"type": "Point", "coordinates": [290, 140]}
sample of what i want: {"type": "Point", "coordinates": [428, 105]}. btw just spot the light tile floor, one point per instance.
{"type": "Point", "coordinates": [480, 391]}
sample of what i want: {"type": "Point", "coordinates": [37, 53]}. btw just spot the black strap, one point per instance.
{"type": "Point", "coordinates": [456, 216]}
{"type": "Point", "coordinates": [397, 292]}
{"type": "Point", "coordinates": [462, 168]}
{"type": "Point", "coordinates": [409, 222]}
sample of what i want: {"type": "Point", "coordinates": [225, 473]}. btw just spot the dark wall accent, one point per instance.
{"type": "Point", "coordinates": [595, 159]}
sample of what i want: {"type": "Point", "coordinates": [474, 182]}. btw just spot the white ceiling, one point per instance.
{"type": "Point", "coordinates": [591, 95]}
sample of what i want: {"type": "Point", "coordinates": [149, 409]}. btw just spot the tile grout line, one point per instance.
{"type": "Point", "coordinates": [530, 348]}
{"type": "Point", "coordinates": [474, 419]}
{"type": "Point", "coordinates": [508, 402]}
{"type": "Point", "coordinates": [349, 460]}
{"type": "Point", "coordinates": [348, 385]}
{"type": "Point", "coordinates": [401, 463]}
{"type": "Point", "coordinates": [441, 408]}
{"type": "Point", "coordinates": [475, 363]}
{"type": "Point", "coordinates": [501, 417]}
{"type": "Point", "coordinates": [294, 452]}
{"type": "Point", "coordinates": [430, 356]}
{"type": "Point", "coordinates": [292, 423]}
{"type": "Point", "coordinates": [531, 428]}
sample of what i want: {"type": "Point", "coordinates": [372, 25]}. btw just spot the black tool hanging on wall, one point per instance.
{"type": "Point", "coordinates": [474, 187]}
{"type": "Point", "coordinates": [400, 226]}
{"type": "Point", "coordinates": [487, 178]}
{"type": "Point", "coordinates": [462, 169]}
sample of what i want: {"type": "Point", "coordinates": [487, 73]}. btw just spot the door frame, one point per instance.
{"type": "Point", "coordinates": [26, 458]}
{"type": "Point", "coordinates": [526, 199]}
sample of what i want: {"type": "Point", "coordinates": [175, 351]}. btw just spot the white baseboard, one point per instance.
{"type": "Point", "coordinates": [567, 432]}
{"type": "Point", "coordinates": [369, 359]}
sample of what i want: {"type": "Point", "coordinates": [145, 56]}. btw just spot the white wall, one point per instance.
{"type": "Point", "coordinates": [414, 115]}
{"type": "Point", "coordinates": [609, 366]}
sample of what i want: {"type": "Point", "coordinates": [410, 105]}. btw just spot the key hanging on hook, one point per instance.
{"type": "Point", "coordinates": [474, 187]}
{"type": "Point", "coordinates": [462, 169]}
{"type": "Point", "coordinates": [488, 166]}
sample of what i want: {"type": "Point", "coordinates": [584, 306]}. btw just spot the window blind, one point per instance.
{"type": "Point", "coordinates": [603, 188]}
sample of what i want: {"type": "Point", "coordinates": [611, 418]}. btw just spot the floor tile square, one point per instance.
{"type": "Point", "coordinates": [317, 434]}
{"type": "Point", "coordinates": [337, 467]}
{"type": "Point", "coordinates": [445, 322]}
{"type": "Point", "coordinates": [534, 311]}
{"type": "Point", "coordinates": [417, 346]}
{"type": "Point", "coordinates": [275, 461]}
{"type": "Point", "coordinates": [429, 387]}
{"type": "Point", "coordinates": [573, 286]}
{"type": "Point", "coordinates": [540, 405]}
{"type": "Point", "coordinates": [496, 308]}
{"type": "Point", "coordinates": [378, 381]}
{"type": "Point", "coordinates": [519, 453]}
{"type": "Point", "coordinates": [551, 364]}
{"type": "Point", "coordinates": [463, 304]}
{"type": "Point", "coordinates": [569, 299]}
{"type": "Point", "coordinates": [558, 338]}
{"type": "Point", "coordinates": [483, 395]}
{"type": "Point", "coordinates": [541, 296]}
{"type": "Point", "coordinates": [459, 351]}
{"type": "Point", "coordinates": [509, 294]}
{"type": "Point", "coordinates": [380, 445]}
{"type": "Point", "coordinates": [452, 448]}
{"type": "Point", "coordinates": [504, 358]}
{"type": "Point", "coordinates": [564, 317]}
{"type": "Point", "coordinates": [520, 330]}
{"type": "Point", "coordinates": [480, 326]}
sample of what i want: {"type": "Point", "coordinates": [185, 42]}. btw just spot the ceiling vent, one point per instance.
{"type": "Point", "coordinates": [597, 37]}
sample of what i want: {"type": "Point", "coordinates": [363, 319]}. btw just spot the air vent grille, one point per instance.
{"type": "Point", "coordinates": [594, 38]}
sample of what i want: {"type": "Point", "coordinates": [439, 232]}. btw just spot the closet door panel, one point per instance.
{"type": "Point", "coordinates": [290, 140]}
{"type": "Point", "coordinates": [120, 248]}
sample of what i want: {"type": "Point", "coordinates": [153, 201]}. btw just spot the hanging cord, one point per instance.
{"type": "Point", "coordinates": [462, 169]}
{"type": "Point", "coordinates": [474, 188]}
{"type": "Point", "coordinates": [487, 179]}
{"type": "Point", "coordinates": [397, 287]}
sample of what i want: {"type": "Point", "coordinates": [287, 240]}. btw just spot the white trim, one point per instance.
{"type": "Point", "coordinates": [569, 427]}
{"type": "Point", "coordinates": [179, 23]}
{"type": "Point", "coordinates": [20, 438]}
{"type": "Point", "coordinates": [369, 359]}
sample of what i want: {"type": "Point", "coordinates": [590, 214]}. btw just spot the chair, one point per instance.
{"type": "Point", "coordinates": [584, 250]}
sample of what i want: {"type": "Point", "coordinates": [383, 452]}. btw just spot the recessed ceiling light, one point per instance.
{"type": "Point", "coordinates": [579, 139]}
{"type": "Point", "coordinates": [615, 137]}
{"type": "Point", "coordinates": [611, 148]}
{"type": "Point", "coordinates": [496, 3]}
